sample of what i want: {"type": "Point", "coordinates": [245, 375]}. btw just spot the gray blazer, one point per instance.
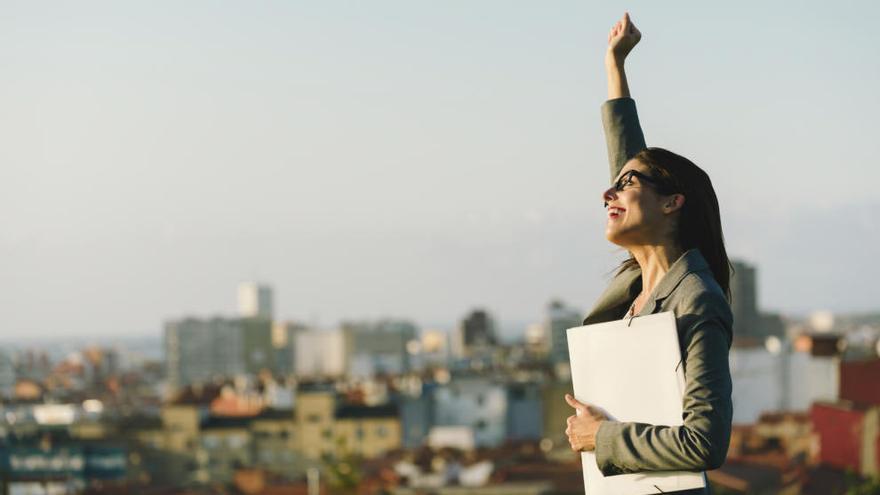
{"type": "Point", "coordinates": [704, 322]}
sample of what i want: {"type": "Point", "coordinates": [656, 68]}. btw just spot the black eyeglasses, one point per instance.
{"type": "Point", "coordinates": [626, 179]}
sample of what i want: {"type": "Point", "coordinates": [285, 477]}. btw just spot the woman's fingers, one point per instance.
{"type": "Point", "coordinates": [575, 403]}
{"type": "Point", "coordinates": [621, 28]}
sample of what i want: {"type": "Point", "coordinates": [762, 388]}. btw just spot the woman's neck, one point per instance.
{"type": "Point", "coordinates": [654, 262]}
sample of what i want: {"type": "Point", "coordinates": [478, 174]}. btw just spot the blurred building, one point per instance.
{"type": "Point", "coordinates": [63, 467]}
{"type": "Point", "coordinates": [476, 334]}
{"type": "Point", "coordinates": [860, 382]}
{"type": "Point", "coordinates": [559, 319]}
{"type": "Point", "coordinates": [783, 375]}
{"type": "Point", "coordinates": [225, 443]}
{"type": "Point", "coordinates": [259, 351]}
{"type": "Point", "coordinates": [284, 344]}
{"type": "Point", "coordinates": [750, 325]}
{"type": "Point", "coordinates": [416, 416]}
{"type": "Point", "coordinates": [744, 300]}
{"type": "Point", "coordinates": [255, 301]}
{"type": "Point", "coordinates": [848, 436]}
{"type": "Point", "coordinates": [758, 382]}
{"type": "Point", "coordinates": [378, 348]}
{"type": "Point", "coordinates": [475, 402]}
{"type": "Point", "coordinates": [314, 413]}
{"type": "Point", "coordinates": [199, 350]}
{"type": "Point", "coordinates": [525, 418]}
{"type": "Point", "coordinates": [320, 353]}
{"type": "Point", "coordinates": [33, 365]}
{"type": "Point", "coordinates": [367, 431]}
{"type": "Point", "coordinates": [99, 364]}
{"type": "Point", "coordinates": [275, 439]}
{"type": "Point", "coordinates": [848, 428]}
{"type": "Point", "coordinates": [211, 447]}
{"type": "Point", "coordinates": [812, 371]}
{"type": "Point", "coordinates": [7, 374]}
{"type": "Point", "coordinates": [202, 350]}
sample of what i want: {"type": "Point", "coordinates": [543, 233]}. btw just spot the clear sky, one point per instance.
{"type": "Point", "coordinates": [411, 158]}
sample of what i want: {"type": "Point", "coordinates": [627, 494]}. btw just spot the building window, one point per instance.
{"type": "Point", "coordinates": [381, 431]}
{"type": "Point", "coordinates": [313, 418]}
{"type": "Point", "coordinates": [236, 441]}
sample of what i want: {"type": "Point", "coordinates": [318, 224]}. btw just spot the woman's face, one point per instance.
{"type": "Point", "coordinates": [637, 214]}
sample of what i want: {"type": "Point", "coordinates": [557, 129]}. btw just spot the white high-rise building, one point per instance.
{"type": "Point", "coordinates": [319, 353]}
{"type": "Point", "coordinates": [255, 300]}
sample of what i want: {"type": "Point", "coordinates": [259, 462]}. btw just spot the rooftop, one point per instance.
{"type": "Point", "coordinates": [359, 411]}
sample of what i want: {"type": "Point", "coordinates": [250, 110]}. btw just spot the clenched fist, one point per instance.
{"type": "Point", "coordinates": [622, 38]}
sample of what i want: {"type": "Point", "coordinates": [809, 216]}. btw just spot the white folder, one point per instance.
{"type": "Point", "coordinates": [631, 369]}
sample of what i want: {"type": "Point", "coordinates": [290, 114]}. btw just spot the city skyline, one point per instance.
{"type": "Point", "coordinates": [413, 161]}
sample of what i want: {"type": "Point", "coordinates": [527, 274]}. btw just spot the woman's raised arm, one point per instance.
{"type": "Point", "coordinates": [623, 134]}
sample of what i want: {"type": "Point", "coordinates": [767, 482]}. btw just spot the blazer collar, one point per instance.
{"type": "Point", "coordinates": [689, 262]}
{"type": "Point", "coordinates": [626, 286]}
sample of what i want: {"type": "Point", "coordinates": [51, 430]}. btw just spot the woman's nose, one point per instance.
{"type": "Point", "coordinates": [609, 195]}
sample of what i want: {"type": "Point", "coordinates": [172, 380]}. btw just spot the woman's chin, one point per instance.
{"type": "Point", "coordinates": [617, 238]}
{"type": "Point", "coordinates": [613, 237]}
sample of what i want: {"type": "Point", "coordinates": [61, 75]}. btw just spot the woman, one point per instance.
{"type": "Point", "coordinates": [663, 210]}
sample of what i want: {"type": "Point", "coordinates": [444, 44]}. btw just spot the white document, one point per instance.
{"type": "Point", "coordinates": [631, 370]}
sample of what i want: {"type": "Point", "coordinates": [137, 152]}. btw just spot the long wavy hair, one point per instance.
{"type": "Point", "coordinates": [699, 222]}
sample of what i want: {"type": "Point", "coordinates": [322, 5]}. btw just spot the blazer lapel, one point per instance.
{"type": "Point", "coordinates": [616, 298]}
{"type": "Point", "coordinates": [691, 261]}
{"type": "Point", "coordinates": [624, 288]}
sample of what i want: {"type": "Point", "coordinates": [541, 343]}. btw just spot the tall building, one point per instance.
{"type": "Point", "coordinates": [559, 319]}
{"type": "Point", "coordinates": [744, 301]}
{"type": "Point", "coordinates": [379, 347]}
{"type": "Point", "coordinates": [750, 325]}
{"type": "Point", "coordinates": [7, 375]}
{"type": "Point", "coordinates": [284, 343]}
{"type": "Point", "coordinates": [475, 334]}
{"type": "Point", "coordinates": [199, 350]}
{"type": "Point", "coordinates": [320, 353]}
{"type": "Point", "coordinates": [255, 300]}
{"type": "Point", "coordinates": [259, 353]}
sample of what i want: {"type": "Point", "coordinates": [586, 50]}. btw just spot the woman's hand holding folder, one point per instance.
{"type": "Point", "coordinates": [583, 426]}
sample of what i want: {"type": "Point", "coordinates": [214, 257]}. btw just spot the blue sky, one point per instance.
{"type": "Point", "coordinates": [409, 158]}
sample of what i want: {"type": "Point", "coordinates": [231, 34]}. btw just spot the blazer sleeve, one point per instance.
{"type": "Point", "coordinates": [701, 442]}
{"type": "Point", "coordinates": [623, 133]}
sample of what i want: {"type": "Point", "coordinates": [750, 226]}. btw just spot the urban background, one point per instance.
{"type": "Point", "coordinates": [245, 403]}
{"type": "Point", "coordinates": [300, 247]}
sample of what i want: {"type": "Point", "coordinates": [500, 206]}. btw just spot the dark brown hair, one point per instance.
{"type": "Point", "coordinates": [699, 222]}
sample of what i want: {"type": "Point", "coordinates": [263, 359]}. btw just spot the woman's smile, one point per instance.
{"type": "Point", "coordinates": [615, 212]}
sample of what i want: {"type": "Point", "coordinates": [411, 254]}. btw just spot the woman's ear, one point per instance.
{"type": "Point", "coordinates": [674, 203]}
